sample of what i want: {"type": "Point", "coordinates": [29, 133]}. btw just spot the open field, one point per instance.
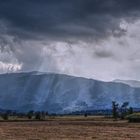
{"type": "Point", "coordinates": [70, 128]}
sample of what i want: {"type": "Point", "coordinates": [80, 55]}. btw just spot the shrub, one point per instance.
{"type": "Point", "coordinates": [85, 114]}
{"type": "Point", "coordinates": [135, 117]}
{"type": "Point", "coordinates": [5, 116]}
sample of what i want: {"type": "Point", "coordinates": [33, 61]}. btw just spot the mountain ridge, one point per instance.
{"type": "Point", "coordinates": [132, 83]}
{"type": "Point", "coordinates": [59, 93]}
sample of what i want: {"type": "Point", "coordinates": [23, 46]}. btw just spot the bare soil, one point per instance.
{"type": "Point", "coordinates": [70, 128]}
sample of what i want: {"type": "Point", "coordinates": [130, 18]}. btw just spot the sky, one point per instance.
{"type": "Point", "coordinates": [97, 39]}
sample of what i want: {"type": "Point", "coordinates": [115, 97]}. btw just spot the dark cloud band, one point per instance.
{"type": "Point", "coordinates": [66, 18]}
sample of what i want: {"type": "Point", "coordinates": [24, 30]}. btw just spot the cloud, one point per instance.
{"type": "Point", "coordinates": [90, 38]}
{"type": "Point", "coordinates": [75, 19]}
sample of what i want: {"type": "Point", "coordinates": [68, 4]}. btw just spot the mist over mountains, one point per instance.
{"type": "Point", "coordinates": [132, 83]}
{"type": "Point", "coordinates": [57, 93]}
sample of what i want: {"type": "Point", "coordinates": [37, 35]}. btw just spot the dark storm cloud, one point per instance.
{"type": "Point", "coordinates": [58, 35]}
{"type": "Point", "coordinates": [59, 19]}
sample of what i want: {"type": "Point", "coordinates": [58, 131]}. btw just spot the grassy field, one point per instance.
{"type": "Point", "coordinates": [70, 128]}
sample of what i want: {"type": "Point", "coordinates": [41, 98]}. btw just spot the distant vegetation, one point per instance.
{"type": "Point", "coordinates": [123, 111]}
{"type": "Point", "coordinates": [31, 115]}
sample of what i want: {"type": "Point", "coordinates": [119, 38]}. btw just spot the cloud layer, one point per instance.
{"type": "Point", "coordinates": [89, 38]}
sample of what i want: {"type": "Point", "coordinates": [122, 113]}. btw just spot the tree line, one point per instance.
{"type": "Point", "coordinates": [38, 115]}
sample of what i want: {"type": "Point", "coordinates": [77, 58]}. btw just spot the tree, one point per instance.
{"type": "Point", "coordinates": [115, 110]}
{"type": "Point", "coordinates": [30, 114]}
{"type": "Point", "coordinates": [124, 109]}
{"type": "Point", "coordinates": [125, 105]}
{"type": "Point", "coordinates": [38, 115]}
{"type": "Point", "coordinates": [130, 110]}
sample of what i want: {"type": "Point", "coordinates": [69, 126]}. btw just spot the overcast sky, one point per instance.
{"type": "Point", "coordinates": [97, 39]}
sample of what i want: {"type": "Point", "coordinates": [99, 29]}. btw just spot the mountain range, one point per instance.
{"type": "Point", "coordinates": [58, 93]}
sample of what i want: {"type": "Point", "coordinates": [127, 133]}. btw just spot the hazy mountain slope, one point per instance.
{"type": "Point", "coordinates": [132, 83]}
{"type": "Point", "coordinates": [59, 93]}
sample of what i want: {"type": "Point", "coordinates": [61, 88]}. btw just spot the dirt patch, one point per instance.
{"type": "Point", "coordinates": [70, 129]}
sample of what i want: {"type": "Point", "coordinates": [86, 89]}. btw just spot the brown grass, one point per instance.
{"type": "Point", "coordinates": [70, 128]}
